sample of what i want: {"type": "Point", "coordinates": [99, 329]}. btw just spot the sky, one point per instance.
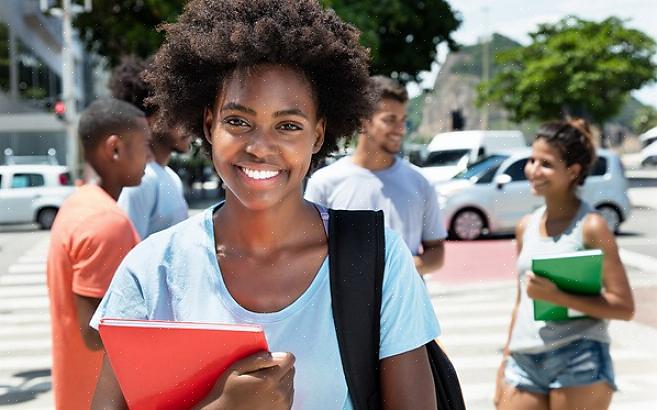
{"type": "Point", "coordinates": [516, 18]}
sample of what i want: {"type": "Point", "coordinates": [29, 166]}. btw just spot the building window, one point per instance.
{"type": "Point", "coordinates": [4, 57]}
{"type": "Point", "coordinates": [37, 83]}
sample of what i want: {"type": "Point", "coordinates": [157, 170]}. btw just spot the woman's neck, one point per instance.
{"type": "Point", "coordinates": [260, 233]}
{"type": "Point", "coordinates": [562, 207]}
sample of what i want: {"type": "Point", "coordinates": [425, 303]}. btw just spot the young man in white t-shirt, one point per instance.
{"type": "Point", "coordinates": [374, 177]}
{"type": "Point", "coordinates": [158, 202]}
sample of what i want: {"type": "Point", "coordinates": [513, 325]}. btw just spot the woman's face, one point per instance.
{"type": "Point", "coordinates": [547, 171]}
{"type": "Point", "coordinates": [264, 130]}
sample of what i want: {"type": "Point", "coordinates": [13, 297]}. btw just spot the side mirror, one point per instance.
{"type": "Point", "coordinates": [501, 180]}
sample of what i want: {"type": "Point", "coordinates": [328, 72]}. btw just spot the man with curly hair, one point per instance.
{"type": "Point", "coordinates": [158, 202]}
{"type": "Point", "coordinates": [374, 177]}
{"type": "Point", "coordinates": [272, 85]}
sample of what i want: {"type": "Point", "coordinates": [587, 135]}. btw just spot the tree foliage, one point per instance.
{"type": "Point", "coordinates": [401, 34]}
{"type": "Point", "coordinates": [574, 67]}
{"type": "Point", "coordinates": [121, 27]}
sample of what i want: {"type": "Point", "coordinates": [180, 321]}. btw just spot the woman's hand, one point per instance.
{"type": "Point", "coordinates": [261, 381]}
{"type": "Point", "coordinates": [541, 288]}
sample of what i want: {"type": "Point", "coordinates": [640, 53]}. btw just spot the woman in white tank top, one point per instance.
{"type": "Point", "coordinates": [543, 362]}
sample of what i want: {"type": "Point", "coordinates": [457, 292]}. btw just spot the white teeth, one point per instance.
{"type": "Point", "coordinates": [257, 174]}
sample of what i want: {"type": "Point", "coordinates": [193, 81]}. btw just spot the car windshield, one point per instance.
{"type": "Point", "coordinates": [484, 166]}
{"type": "Point", "coordinates": [445, 158]}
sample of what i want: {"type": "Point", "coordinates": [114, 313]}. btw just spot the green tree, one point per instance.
{"type": "Point", "coordinates": [402, 34]}
{"type": "Point", "coordinates": [574, 67]}
{"type": "Point", "coordinates": [120, 27]}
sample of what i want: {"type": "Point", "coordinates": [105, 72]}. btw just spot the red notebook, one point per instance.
{"type": "Point", "coordinates": [173, 365]}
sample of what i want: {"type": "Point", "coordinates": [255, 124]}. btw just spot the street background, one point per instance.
{"type": "Point", "coordinates": [472, 296]}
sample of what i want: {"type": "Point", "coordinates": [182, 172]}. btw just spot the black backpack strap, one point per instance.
{"type": "Point", "coordinates": [356, 261]}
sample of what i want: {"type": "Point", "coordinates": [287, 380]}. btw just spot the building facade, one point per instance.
{"type": "Point", "coordinates": [31, 81]}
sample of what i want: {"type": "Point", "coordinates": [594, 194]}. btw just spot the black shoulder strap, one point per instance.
{"type": "Point", "coordinates": [358, 236]}
{"type": "Point", "coordinates": [357, 258]}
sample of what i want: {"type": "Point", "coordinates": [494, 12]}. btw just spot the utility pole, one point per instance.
{"type": "Point", "coordinates": [485, 66]}
{"type": "Point", "coordinates": [66, 12]}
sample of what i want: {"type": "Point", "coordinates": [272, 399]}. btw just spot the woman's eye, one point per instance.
{"type": "Point", "coordinates": [289, 127]}
{"type": "Point", "coordinates": [235, 122]}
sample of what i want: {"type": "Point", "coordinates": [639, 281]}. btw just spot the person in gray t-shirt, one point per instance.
{"type": "Point", "coordinates": [374, 177]}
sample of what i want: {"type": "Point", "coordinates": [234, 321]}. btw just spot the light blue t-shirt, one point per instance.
{"type": "Point", "coordinates": [174, 275]}
{"type": "Point", "coordinates": [407, 199]}
{"type": "Point", "coordinates": [157, 203]}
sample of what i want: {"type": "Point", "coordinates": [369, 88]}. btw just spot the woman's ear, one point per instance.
{"type": "Point", "coordinates": [574, 171]}
{"type": "Point", "coordinates": [208, 119]}
{"type": "Point", "coordinates": [320, 130]}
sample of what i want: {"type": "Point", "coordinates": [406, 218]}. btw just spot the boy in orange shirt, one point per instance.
{"type": "Point", "coordinates": [89, 239]}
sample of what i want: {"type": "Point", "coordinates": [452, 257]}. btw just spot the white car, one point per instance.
{"type": "Point", "coordinates": [493, 194]}
{"type": "Point", "coordinates": [33, 193]}
{"type": "Point", "coordinates": [449, 153]}
{"type": "Point", "coordinates": [649, 155]}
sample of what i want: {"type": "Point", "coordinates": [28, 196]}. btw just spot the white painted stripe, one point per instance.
{"type": "Point", "coordinates": [25, 362]}
{"type": "Point", "coordinates": [24, 303]}
{"type": "Point", "coordinates": [436, 287]}
{"type": "Point", "coordinates": [617, 404]}
{"type": "Point", "coordinates": [639, 261]}
{"type": "Point", "coordinates": [23, 279]}
{"type": "Point", "coordinates": [473, 322]}
{"type": "Point", "coordinates": [40, 258]}
{"type": "Point", "coordinates": [455, 340]}
{"type": "Point", "coordinates": [8, 292]}
{"type": "Point", "coordinates": [489, 361]}
{"type": "Point", "coordinates": [483, 308]}
{"type": "Point", "coordinates": [24, 317]}
{"type": "Point", "coordinates": [25, 332]}
{"type": "Point", "coordinates": [28, 268]}
{"type": "Point", "coordinates": [10, 347]}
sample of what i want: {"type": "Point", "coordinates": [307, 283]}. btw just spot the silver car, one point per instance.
{"type": "Point", "coordinates": [493, 194]}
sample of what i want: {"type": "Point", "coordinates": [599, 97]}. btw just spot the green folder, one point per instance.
{"type": "Point", "coordinates": [575, 272]}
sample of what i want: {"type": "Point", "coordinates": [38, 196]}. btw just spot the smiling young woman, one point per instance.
{"type": "Point", "coordinates": [272, 85]}
{"type": "Point", "coordinates": [566, 364]}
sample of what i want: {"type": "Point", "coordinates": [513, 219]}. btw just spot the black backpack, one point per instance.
{"type": "Point", "coordinates": [357, 258]}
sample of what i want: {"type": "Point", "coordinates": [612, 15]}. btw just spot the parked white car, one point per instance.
{"type": "Point", "coordinates": [449, 153]}
{"type": "Point", "coordinates": [493, 194]}
{"type": "Point", "coordinates": [33, 193]}
{"type": "Point", "coordinates": [649, 155]}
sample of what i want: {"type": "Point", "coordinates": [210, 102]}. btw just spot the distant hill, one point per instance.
{"type": "Point", "coordinates": [455, 89]}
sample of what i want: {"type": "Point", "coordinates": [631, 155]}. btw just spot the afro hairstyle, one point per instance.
{"type": "Point", "coordinates": [214, 38]}
{"type": "Point", "coordinates": [127, 83]}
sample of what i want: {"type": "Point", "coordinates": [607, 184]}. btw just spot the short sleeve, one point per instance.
{"type": "Point", "coordinates": [315, 193]}
{"type": "Point", "coordinates": [408, 320]}
{"type": "Point", "coordinates": [138, 203]}
{"type": "Point", "coordinates": [433, 226]}
{"type": "Point", "coordinates": [97, 248]}
{"type": "Point", "coordinates": [124, 298]}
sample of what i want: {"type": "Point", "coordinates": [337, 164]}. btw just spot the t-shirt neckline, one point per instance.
{"type": "Point", "coordinates": [232, 305]}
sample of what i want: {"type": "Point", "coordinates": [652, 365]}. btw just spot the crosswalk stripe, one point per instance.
{"type": "Point", "coordinates": [10, 347]}
{"type": "Point", "coordinates": [27, 303]}
{"type": "Point", "coordinates": [21, 291]}
{"type": "Point", "coordinates": [23, 318]}
{"type": "Point", "coordinates": [23, 279]}
{"type": "Point", "coordinates": [24, 331]}
{"type": "Point", "coordinates": [25, 362]}
{"type": "Point", "coordinates": [27, 268]}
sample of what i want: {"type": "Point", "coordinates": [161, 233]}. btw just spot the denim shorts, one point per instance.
{"type": "Point", "coordinates": [578, 363]}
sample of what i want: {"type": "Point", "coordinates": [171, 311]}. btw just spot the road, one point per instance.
{"type": "Point", "coordinates": [472, 297]}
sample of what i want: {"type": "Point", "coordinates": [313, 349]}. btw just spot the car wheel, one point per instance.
{"type": "Point", "coordinates": [467, 224]}
{"type": "Point", "coordinates": [46, 217]}
{"type": "Point", "coordinates": [611, 215]}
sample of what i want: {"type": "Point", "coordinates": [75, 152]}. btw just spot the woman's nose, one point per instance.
{"type": "Point", "coordinates": [261, 144]}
